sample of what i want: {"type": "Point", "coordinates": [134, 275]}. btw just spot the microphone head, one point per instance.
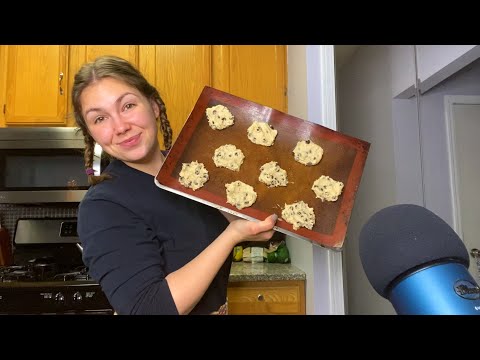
{"type": "Point", "coordinates": [402, 238]}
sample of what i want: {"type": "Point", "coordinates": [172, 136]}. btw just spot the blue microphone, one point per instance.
{"type": "Point", "coordinates": [415, 260]}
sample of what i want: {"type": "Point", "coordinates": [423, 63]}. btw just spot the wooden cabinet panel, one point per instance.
{"type": "Point", "coordinates": [266, 297]}
{"type": "Point", "coordinates": [128, 52]}
{"type": "Point", "coordinates": [254, 72]}
{"type": "Point", "coordinates": [36, 89]}
{"type": "Point", "coordinates": [3, 83]}
{"type": "Point", "coordinates": [180, 74]}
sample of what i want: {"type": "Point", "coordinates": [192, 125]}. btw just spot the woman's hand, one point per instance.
{"type": "Point", "coordinates": [246, 230]}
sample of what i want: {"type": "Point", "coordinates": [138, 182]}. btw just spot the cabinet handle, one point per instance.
{"type": "Point", "coordinates": [60, 83]}
{"type": "Point", "coordinates": [260, 297]}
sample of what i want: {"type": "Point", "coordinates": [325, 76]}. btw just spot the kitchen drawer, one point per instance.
{"type": "Point", "coordinates": [266, 297]}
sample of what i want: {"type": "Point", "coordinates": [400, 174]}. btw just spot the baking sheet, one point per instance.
{"type": "Point", "coordinates": [343, 160]}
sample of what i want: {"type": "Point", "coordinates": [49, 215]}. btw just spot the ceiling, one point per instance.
{"type": "Point", "coordinates": [343, 54]}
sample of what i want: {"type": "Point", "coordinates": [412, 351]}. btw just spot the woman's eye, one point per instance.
{"type": "Point", "coordinates": [98, 119]}
{"type": "Point", "coordinates": [128, 106]}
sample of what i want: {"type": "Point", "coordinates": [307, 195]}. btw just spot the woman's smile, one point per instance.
{"type": "Point", "coordinates": [131, 141]}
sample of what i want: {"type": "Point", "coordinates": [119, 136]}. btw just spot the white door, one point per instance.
{"type": "Point", "coordinates": [463, 113]}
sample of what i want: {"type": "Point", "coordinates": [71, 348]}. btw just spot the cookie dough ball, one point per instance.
{"type": "Point", "coordinates": [219, 117]}
{"type": "Point", "coordinates": [299, 214]}
{"type": "Point", "coordinates": [261, 133]}
{"type": "Point", "coordinates": [272, 175]}
{"type": "Point", "coordinates": [240, 194]}
{"type": "Point", "coordinates": [228, 156]}
{"type": "Point", "coordinates": [325, 188]}
{"type": "Point", "coordinates": [307, 152]}
{"type": "Point", "coordinates": [193, 175]}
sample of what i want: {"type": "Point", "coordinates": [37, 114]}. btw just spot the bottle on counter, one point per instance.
{"type": "Point", "coordinates": [237, 253]}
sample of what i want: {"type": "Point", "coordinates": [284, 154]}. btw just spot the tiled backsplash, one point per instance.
{"type": "Point", "coordinates": [10, 213]}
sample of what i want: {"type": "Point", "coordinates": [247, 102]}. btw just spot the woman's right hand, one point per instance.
{"type": "Point", "coordinates": [247, 230]}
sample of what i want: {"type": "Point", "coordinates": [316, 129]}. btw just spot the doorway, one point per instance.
{"type": "Point", "coordinates": [462, 114]}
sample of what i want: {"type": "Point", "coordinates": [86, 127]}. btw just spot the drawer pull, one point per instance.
{"type": "Point", "coordinates": [260, 297]}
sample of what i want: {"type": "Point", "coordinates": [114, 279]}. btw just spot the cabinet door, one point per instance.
{"type": "Point", "coordinates": [36, 88]}
{"type": "Point", "coordinates": [79, 54]}
{"type": "Point", "coordinates": [179, 72]}
{"type": "Point", "coordinates": [254, 72]}
{"type": "Point", "coordinates": [3, 82]}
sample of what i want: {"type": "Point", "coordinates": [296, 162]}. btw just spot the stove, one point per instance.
{"type": "Point", "coordinates": [48, 275]}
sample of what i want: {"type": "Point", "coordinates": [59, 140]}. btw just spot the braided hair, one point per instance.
{"type": "Point", "coordinates": [118, 68]}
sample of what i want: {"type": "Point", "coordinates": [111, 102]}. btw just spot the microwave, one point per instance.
{"type": "Point", "coordinates": [44, 165]}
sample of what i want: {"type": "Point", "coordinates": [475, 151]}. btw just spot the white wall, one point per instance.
{"type": "Point", "coordinates": [434, 137]}
{"type": "Point", "coordinates": [408, 166]}
{"type": "Point", "coordinates": [364, 110]}
{"type": "Point", "coordinates": [403, 71]}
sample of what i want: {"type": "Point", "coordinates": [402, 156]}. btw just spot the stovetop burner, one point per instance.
{"type": "Point", "coordinates": [36, 271]}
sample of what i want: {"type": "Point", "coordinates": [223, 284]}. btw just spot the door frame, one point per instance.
{"type": "Point", "coordinates": [449, 102]}
{"type": "Point", "coordinates": [329, 297]}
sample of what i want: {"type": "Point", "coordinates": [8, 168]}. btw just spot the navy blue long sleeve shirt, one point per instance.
{"type": "Point", "coordinates": [134, 234]}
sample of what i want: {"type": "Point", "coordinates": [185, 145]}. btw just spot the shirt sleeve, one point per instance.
{"type": "Point", "coordinates": [125, 256]}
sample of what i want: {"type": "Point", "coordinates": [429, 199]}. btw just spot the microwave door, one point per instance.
{"type": "Point", "coordinates": [42, 175]}
{"type": "Point", "coordinates": [44, 165]}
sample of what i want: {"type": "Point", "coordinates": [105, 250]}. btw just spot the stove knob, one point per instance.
{"type": "Point", "coordinates": [59, 297]}
{"type": "Point", "coordinates": [77, 297]}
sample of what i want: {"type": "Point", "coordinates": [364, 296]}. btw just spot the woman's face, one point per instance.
{"type": "Point", "coordinates": [121, 120]}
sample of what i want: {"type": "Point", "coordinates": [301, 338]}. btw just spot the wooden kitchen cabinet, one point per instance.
{"type": "Point", "coordinates": [35, 89]}
{"type": "Point", "coordinates": [285, 297]}
{"type": "Point", "coordinates": [36, 81]}
{"type": "Point", "coordinates": [255, 72]}
{"type": "Point", "coordinates": [3, 83]}
{"type": "Point", "coordinates": [179, 72]}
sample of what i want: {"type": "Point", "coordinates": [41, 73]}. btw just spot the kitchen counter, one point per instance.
{"type": "Point", "coordinates": [243, 271]}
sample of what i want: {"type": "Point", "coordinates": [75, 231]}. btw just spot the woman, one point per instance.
{"type": "Point", "coordinates": [152, 251]}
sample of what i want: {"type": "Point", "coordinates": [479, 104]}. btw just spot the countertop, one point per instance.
{"type": "Point", "coordinates": [243, 271]}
